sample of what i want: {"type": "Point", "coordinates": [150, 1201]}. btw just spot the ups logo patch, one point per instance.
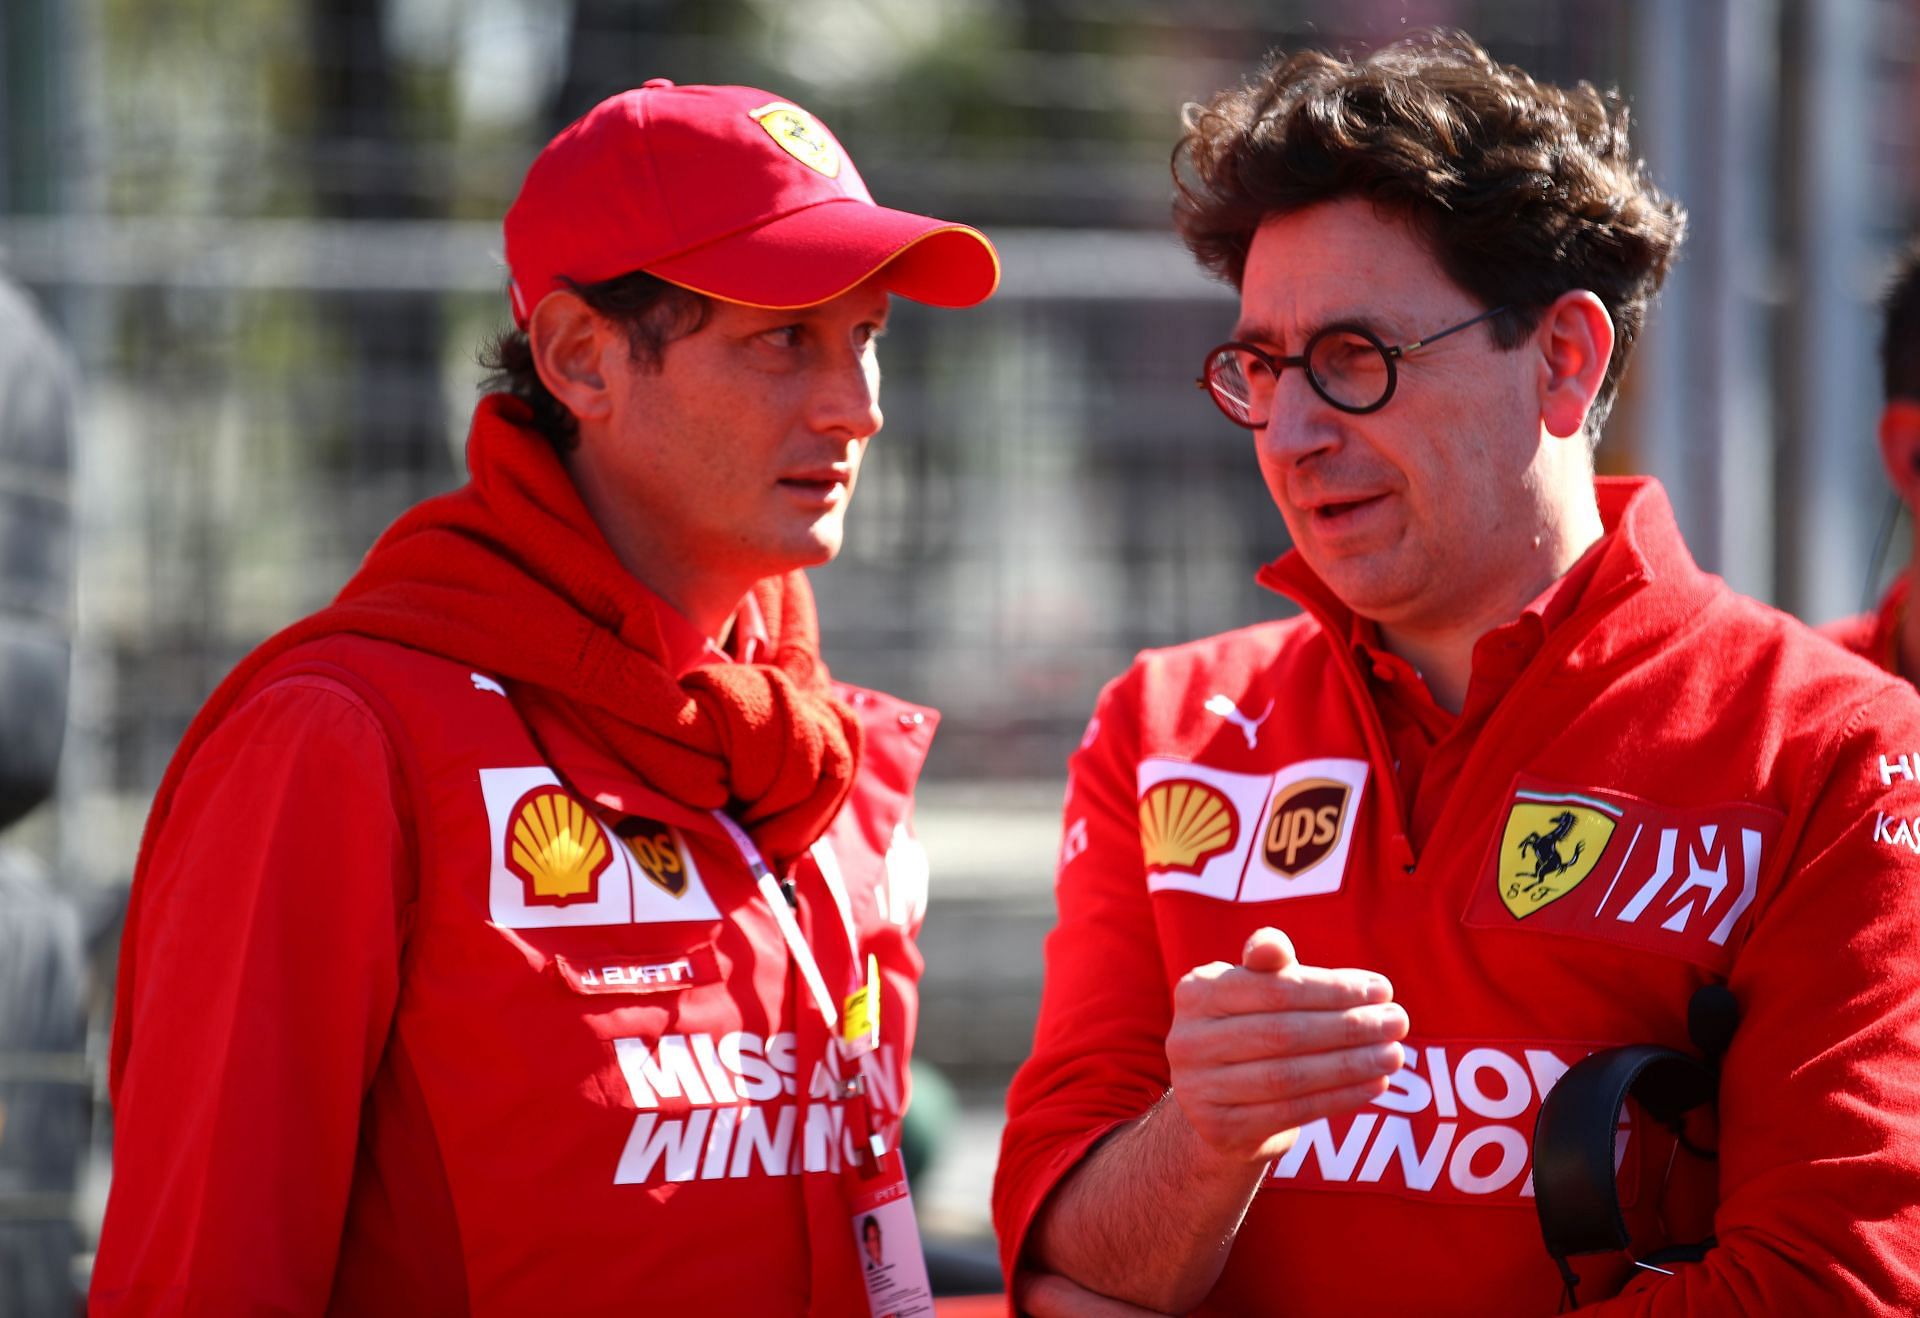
{"type": "Point", "coordinates": [655, 852]}
{"type": "Point", "coordinates": [1304, 825]}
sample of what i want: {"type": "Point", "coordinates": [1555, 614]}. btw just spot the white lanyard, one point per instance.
{"type": "Point", "coordinates": [783, 916]}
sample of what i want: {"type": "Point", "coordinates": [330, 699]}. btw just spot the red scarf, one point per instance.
{"type": "Point", "coordinates": [509, 574]}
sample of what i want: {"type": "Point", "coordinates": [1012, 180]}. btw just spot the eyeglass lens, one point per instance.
{"type": "Point", "coordinates": [1351, 369]}
{"type": "Point", "coordinates": [1346, 368]}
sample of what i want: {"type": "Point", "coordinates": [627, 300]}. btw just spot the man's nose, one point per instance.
{"type": "Point", "coordinates": [1300, 423]}
{"type": "Point", "coordinates": [849, 399]}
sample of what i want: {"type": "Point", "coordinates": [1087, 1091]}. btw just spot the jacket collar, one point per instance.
{"type": "Point", "coordinates": [688, 648]}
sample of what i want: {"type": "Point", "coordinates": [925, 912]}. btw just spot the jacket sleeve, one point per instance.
{"type": "Point", "coordinates": [269, 946]}
{"type": "Point", "coordinates": [1099, 1051]}
{"type": "Point", "coordinates": [1820, 1091]}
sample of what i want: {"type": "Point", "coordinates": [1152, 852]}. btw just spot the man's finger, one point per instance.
{"type": "Point", "coordinates": [1283, 1079]}
{"type": "Point", "coordinates": [1268, 949]}
{"type": "Point", "coordinates": [1253, 1037]}
{"type": "Point", "coordinates": [1237, 991]}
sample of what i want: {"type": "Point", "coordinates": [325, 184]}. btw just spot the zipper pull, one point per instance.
{"type": "Point", "coordinates": [791, 892]}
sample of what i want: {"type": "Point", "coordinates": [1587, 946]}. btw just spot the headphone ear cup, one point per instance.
{"type": "Point", "coordinates": [1574, 1190]}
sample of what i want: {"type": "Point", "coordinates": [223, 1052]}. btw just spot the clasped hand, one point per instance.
{"type": "Point", "coordinates": [1259, 1049]}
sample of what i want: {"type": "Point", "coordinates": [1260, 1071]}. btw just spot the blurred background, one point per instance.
{"type": "Point", "coordinates": [262, 237]}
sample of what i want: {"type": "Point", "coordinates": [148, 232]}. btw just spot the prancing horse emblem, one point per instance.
{"type": "Point", "coordinates": [1249, 727]}
{"type": "Point", "coordinates": [1546, 850]}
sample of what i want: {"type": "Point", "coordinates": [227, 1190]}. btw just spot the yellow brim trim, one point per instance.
{"type": "Point", "coordinates": [992, 255]}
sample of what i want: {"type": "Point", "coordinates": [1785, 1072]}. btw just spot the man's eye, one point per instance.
{"type": "Point", "coordinates": [784, 336]}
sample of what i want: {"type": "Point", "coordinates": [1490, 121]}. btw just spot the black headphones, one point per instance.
{"type": "Point", "coordinates": [1573, 1150]}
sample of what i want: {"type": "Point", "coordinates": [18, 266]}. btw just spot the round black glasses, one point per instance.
{"type": "Point", "coordinates": [1347, 365]}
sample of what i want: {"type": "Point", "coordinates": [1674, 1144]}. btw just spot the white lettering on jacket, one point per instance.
{"type": "Point", "coordinates": [1895, 831]}
{"type": "Point", "coordinates": [710, 1107]}
{"type": "Point", "coordinates": [1456, 1123]}
{"type": "Point", "coordinates": [650, 976]}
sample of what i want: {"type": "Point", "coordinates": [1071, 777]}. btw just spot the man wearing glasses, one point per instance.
{"type": "Point", "coordinates": [1520, 764]}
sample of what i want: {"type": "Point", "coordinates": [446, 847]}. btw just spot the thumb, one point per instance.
{"type": "Point", "coordinates": [1268, 949]}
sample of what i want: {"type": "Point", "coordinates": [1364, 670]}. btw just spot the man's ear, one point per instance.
{"type": "Point", "coordinates": [1900, 447]}
{"type": "Point", "coordinates": [569, 340]}
{"type": "Point", "coordinates": [1575, 342]}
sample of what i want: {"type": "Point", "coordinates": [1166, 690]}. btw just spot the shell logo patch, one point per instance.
{"type": "Point", "coordinates": [1550, 845]}
{"type": "Point", "coordinates": [1183, 824]}
{"type": "Point", "coordinates": [656, 852]}
{"type": "Point", "coordinates": [1304, 824]}
{"type": "Point", "coordinates": [556, 849]}
{"type": "Point", "coordinates": [800, 136]}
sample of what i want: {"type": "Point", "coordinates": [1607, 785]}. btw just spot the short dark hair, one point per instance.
{"type": "Point", "coordinates": [1900, 337]}
{"type": "Point", "coordinates": [1522, 190]}
{"type": "Point", "coordinates": [652, 311]}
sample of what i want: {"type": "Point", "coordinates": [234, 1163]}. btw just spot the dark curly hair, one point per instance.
{"type": "Point", "coordinates": [1900, 339]}
{"type": "Point", "coordinates": [652, 311]}
{"type": "Point", "coordinates": [1522, 190]}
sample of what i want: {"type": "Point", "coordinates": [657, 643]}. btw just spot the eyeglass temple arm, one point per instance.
{"type": "Point", "coordinates": [1407, 348]}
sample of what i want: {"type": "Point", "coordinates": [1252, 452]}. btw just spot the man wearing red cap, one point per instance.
{"type": "Point", "coordinates": [531, 929]}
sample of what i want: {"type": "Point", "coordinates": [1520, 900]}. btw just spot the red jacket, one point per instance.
{"type": "Point", "coordinates": [1683, 787]}
{"type": "Point", "coordinates": [387, 1060]}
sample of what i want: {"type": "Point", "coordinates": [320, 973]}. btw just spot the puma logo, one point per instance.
{"type": "Point", "coordinates": [1249, 727]}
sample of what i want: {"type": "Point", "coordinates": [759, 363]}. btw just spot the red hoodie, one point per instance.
{"type": "Point", "coordinates": [443, 992]}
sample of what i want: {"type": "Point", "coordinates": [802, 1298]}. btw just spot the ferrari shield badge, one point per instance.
{"type": "Point", "coordinates": [800, 136]}
{"type": "Point", "coordinates": [1550, 845]}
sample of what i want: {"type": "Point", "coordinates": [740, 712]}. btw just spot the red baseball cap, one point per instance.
{"type": "Point", "coordinates": [728, 191]}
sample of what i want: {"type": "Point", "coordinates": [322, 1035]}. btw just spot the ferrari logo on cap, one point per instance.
{"type": "Point", "coordinates": [800, 136]}
{"type": "Point", "coordinates": [1550, 845]}
{"type": "Point", "coordinates": [556, 848]}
